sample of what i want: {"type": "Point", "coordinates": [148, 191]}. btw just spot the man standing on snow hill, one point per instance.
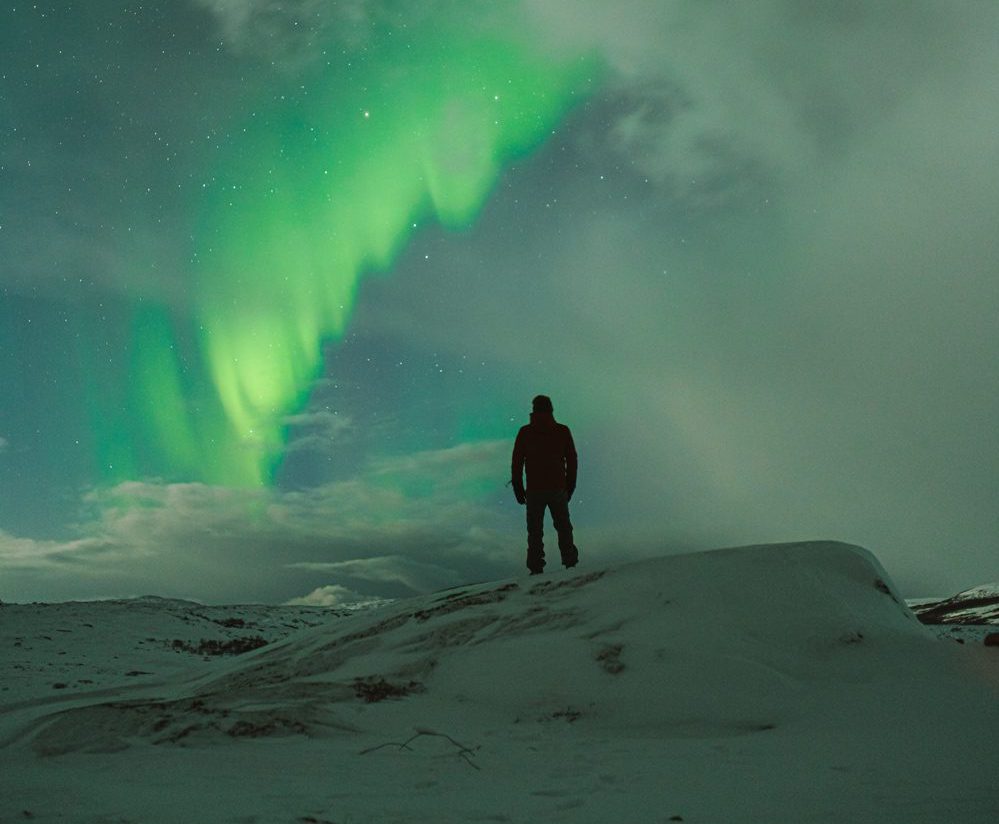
{"type": "Point", "coordinates": [545, 447]}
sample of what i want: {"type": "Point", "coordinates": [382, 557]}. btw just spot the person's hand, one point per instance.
{"type": "Point", "coordinates": [569, 492]}
{"type": "Point", "coordinates": [519, 494]}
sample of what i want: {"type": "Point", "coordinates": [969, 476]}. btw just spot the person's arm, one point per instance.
{"type": "Point", "coordinates": [517, 468]}
{"type": "Point", "coordinates": [571, 464]}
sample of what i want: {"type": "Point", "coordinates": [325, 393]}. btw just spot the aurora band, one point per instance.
{"type": "Point", "coordinates": [309, 198]}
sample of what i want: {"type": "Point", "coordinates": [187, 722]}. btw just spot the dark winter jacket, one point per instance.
{"type": "Point", "coordinates": [545, 447]}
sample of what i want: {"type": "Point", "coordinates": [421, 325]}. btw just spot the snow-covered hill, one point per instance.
{"type": "Point", "coordinates": [763, 684]}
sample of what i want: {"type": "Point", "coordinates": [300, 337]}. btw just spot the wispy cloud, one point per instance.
{"type": "Point", "coordinates": [318, 431]}
{"type": "Point", "coordinates": [293, 33]}
{"type": "Point", "coordinates": [20, 554]}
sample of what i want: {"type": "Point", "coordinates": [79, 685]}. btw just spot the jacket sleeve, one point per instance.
{"type": "Point", "coordinates": [517, 463]}
{"type": "Point", "coordinates": [571, 462]}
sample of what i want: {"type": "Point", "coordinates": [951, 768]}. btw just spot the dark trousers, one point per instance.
{"type": "Point", "coordinates": [558, 504]}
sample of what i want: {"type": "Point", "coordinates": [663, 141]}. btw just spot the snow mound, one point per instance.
{"type": "Point", "coordinates": [717, 644]}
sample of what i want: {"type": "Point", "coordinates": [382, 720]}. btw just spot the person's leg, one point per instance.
{"type": "Point", "coordinates": [559, 505]}
{"type": "Point", "coordinates": [535, 532]}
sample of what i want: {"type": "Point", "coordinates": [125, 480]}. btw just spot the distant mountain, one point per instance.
{"type": "Point", "coordinates": [979, 605]}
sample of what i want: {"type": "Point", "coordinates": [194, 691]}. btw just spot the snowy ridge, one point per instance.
{"type": "Point", "coordinates": [458, 647]}
{"type": "Point", "coordinates": [793, 671]}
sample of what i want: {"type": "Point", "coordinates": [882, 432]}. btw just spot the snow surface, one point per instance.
{"type": "Point", "coordinates": [783, 683]}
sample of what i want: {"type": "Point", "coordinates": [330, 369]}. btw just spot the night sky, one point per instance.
{"type": "Point", "coordinates": [278, 281]}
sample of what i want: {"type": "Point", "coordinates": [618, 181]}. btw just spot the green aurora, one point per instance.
{"type": "Point", "coordinates": [309, 197]}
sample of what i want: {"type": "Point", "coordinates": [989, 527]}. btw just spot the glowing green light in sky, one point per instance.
{"type": "Point", "coordinates": [325, 188]}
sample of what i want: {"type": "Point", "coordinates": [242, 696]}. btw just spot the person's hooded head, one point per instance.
{"type": "Point", "coordinates": [541, 408]}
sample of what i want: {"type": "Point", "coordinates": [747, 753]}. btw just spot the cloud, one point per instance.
{"type": "Point", "coordinates": [415, 575]}
{"type": "Point", "coordinates": [318, 431]}
{"type": "Point", "coordinates": [827, 373]}
{"type": "Point", "coordinates": [412, 523]}
{"type": "Point", "coordinates": [30, 554]}
{"type": "Point", "coordinates": [717, 89]}
{"type": "Point", "coordinates": [332, 595]}
{"type": "Point", "coordinates": [266, 27]}
{"type": "Point", "coordinates": [293, 33]}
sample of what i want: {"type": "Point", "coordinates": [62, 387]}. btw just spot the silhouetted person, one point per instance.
{"type": "Point", "coordinates": [546, 449]}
